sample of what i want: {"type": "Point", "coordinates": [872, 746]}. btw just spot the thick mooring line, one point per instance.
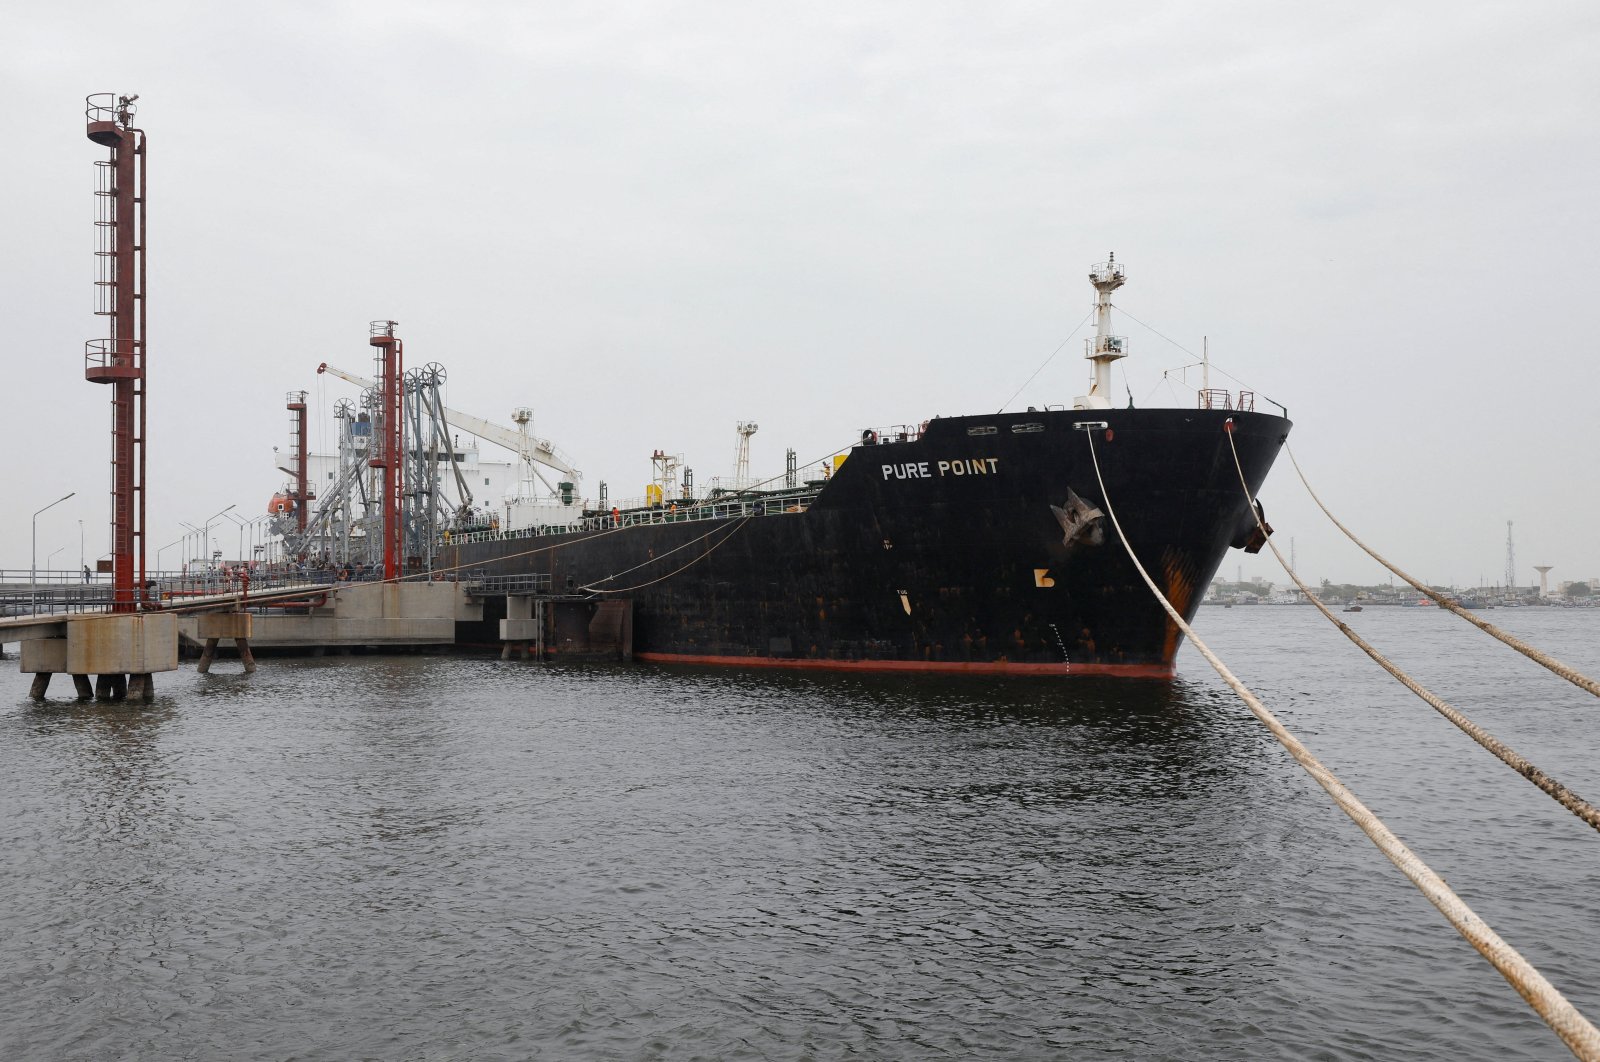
{"type": "Point", "coordinates": [1581, 1037]}
{"type": "Point", "coordinates": [1572, 675]}
{"type": "Point", "coordinates": [1503, 752]}
{"type": "Point", "coordinates": [595, 588]}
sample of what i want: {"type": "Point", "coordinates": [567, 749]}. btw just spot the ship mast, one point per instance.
{"type": "Point", "coordinates": [1104, 348]}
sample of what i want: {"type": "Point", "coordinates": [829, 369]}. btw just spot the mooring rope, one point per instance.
{"type": "Point", "coordinates": [1572, 675]}
{"type": "Point", "coordinates": [1505, 753]}
{"type": "Point", "coordinates": [433, 573]}
{"type": "Point", "coordinates": [593, 589]}
{"type": "Point", "coordinates": [511, 556]}
{"type": "Point", "coordinates": [1582, 1038]}
{"type": "Point", "coordinates": [651, 560]}
{"type": "Point", "coordinates": [692, 506]}
{"type": "Point", "coordinates": [267, 595]}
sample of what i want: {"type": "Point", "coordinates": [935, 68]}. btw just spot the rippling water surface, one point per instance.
{"type": "Point", "coordinates": [424, 857]}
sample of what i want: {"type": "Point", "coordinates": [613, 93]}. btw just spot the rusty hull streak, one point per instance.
{"type": "Point", "coordinates": [1180, 591]}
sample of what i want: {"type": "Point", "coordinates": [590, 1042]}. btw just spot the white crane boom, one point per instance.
{"type": "Point", "coordinates": [525, 446]}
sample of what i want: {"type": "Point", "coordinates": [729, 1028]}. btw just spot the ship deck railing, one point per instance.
{"type": "Point", "coordinates": [1219, 398]}
{"type": "Point", "coordinates": [893, 433]}
{"type": "Point", "coordinates": [781, 502]}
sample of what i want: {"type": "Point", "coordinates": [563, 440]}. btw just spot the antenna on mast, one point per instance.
{"type": "Point", "coordinates": [1511, 559]}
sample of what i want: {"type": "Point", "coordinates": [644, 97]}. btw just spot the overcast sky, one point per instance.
{"type": "Point", "coordinates": [649, 221]}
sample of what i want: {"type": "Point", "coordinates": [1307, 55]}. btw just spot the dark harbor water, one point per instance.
{"type": "Point", "coordinates": [429, 858]}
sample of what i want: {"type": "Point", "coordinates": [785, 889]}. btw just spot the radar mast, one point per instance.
{"type": "Point", "coordinates": [1104, 348]}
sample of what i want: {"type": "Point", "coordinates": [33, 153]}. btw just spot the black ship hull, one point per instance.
{"type": "Point", "coordinates": [973, 545]}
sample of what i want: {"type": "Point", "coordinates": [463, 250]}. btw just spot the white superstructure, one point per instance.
{"type": "Point", "coordinates": [1104, 348]}
{"type": "Point", "coordinates": [490, 481]}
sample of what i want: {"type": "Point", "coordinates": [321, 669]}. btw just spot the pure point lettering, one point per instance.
{"type": "Point", "coordinates": [961, 466]}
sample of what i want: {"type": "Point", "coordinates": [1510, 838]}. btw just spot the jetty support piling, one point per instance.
{"type": "Point", "coordinates": [122, 650]}
{"type": "Point", "coordinates": [540, 624]}
{"type": "Point", "coordinates": [523, 627]}
{"type": "Point", "coordinates": [45, 658]}
{"type": "Point", "coordinates": [215, 626]}
{"type": "Point", "coordinates": [110, 687]}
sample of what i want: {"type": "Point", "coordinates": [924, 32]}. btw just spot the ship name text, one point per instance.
{"type": "Point", "coordinates": [960, 466]}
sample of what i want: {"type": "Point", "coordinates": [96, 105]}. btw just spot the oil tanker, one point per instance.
{"type": "Point", "coordinates": [968, 544]}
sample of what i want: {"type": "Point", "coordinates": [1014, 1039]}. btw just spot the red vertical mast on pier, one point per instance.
{"type": "Point", "coordinates": [391, 453]}
{"type": "Point", "coordinates": [120, 295]}
{"type": "Point", "coordinates": [296, 403]}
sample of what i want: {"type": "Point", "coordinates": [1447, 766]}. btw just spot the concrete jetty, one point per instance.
{"type": "Point", "coordinates": [347, 616]}
{"type": "Point", "coordinates": [122, 651]}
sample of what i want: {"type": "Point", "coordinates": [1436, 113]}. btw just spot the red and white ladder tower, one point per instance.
{"type": "Point", "coordinates": [120, 359]}
{"type": "Point", "coordinates": [295, 402]}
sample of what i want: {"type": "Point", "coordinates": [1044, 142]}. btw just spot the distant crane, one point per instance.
{"type": "Point", "coordinates": [531, 449]}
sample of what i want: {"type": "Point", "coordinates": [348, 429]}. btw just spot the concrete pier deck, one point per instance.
{"type": "Point", "coordinates": [370, 615]}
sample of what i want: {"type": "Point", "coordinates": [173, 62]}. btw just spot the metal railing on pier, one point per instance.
{"type": "Point", "coordinates": [58, 599]}
{"type": "Point", "coordinates": [20, 598]}
{"type": "Point", "coordinates": [481, 583]}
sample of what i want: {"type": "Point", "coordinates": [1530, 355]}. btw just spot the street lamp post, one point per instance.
{"type": "Point", "coordinates": [209, 522]}
{"type": "Point", "coordinates": [163, 549]}
{"type": "Point", "coordinates": [188, 554]}
{"type": "Point", "coordinates": [33, 561]}
{"type": "Point", "coordinates": [242, 525]}
{"type": "Point", "coordinates": [263, 524]}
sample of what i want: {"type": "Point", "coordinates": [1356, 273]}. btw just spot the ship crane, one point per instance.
{"type": "Point", "coordinates": [741, 459]}
{"type": "Point", "coordinates": [522, 416]}
{"type": "Point", "coordinates": [531, 449]}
